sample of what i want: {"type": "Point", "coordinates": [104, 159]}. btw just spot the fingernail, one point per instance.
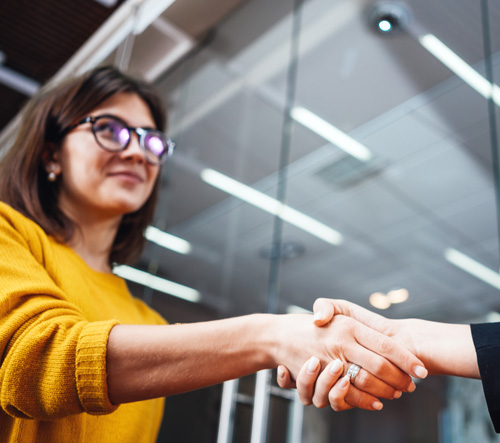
{"type": "Point", "coordinates": [344, 382]}
{"type": "Point", "coordinates": [312, 366]}
{"type": "Point", "coordinates": [281, 372]}
{"type": "Point", "coordinates": [377, 405]}
{"type": "Point", "coordinates": [335, 366]}
{"type": "Point", "coordinates": [412, 387]}
{"type": "Point", "coordinates": [318, 316]}
{"type": "Point", "coordinates": [398, 394]}
{"type": "Point", "coordinates": [420, 371]}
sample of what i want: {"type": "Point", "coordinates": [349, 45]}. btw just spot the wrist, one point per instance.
{"type": "Point", "coordinates": [265, 335]}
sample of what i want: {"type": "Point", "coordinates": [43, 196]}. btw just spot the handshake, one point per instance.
{"type": "Point", "coordinates": [372, 357]}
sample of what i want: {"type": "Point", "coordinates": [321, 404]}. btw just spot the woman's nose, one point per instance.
{"type": "Point", "coordinates": [133, 149]}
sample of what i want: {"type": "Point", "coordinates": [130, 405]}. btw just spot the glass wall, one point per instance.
{"type": "Point", "coordinates": [320, 156]}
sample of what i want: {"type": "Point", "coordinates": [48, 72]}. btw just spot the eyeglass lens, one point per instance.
{"type": "Point", "coordinates": [114, 135]}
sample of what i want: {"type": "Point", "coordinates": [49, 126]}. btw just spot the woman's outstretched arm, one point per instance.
{"type": "Point", "coordinates": [153, 361]}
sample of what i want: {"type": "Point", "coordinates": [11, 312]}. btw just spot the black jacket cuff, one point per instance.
{"type": "Point", "coordinates": [486, 337]}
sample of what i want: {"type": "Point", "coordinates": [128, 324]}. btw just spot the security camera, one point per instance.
{"type": "Point", "coordinates": [389, 18]}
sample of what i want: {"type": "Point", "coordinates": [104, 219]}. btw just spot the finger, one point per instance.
{"type": "Point", "coordinates": [378, 375]}
{"type": "Point", "coordinates": [337, 395]}
{"type": "Point", "coordinates": [362, 400]}
{"type": "Point", "coordinates": [306, 380]}
{"type": "Point", "coordinates": [323, 311]}
{"type": "Point", "coordinates": [284, 378]}
{"type": "Point", "coordinates": [372, 385]}
{"type": "Point", "coordinates": [389, 348]}
{"type": "Point", "coordinates": [403, 358]}
{"type": "Point", "coordinates": [325, 382]}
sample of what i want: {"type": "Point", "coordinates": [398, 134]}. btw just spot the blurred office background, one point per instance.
{"type": "Point", "coordinates": [325, 148]}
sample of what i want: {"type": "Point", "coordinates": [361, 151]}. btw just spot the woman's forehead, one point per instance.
{"type": "Point", "coordinates": [130, 107]}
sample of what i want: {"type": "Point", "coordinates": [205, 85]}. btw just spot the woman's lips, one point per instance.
{"type": "Point", "coordinates": [128, 176]}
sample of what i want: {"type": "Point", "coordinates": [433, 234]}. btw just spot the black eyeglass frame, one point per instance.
{"type": "Point", "coordinates": [141, 133]}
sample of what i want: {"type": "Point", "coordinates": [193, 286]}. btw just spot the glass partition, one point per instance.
{"type": "Point", "coordinates": [342, 149]}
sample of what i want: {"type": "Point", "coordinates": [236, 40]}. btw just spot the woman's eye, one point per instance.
{"type": "Point", "coordinates": [109, 131]}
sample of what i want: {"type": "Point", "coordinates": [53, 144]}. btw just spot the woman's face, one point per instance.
{"type": "Point", "coordinates": [96, 184]}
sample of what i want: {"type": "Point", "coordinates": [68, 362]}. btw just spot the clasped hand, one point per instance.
{"type": "Point", "coordinates": [362, 338]}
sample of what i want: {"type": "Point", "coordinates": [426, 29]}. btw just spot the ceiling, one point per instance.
{"type": "Point", "coordinates": [224, 69]}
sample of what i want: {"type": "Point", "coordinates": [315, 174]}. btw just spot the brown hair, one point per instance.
{"type": "Point", "coordinates": [23, 178]}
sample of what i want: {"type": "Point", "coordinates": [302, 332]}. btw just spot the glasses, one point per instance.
{"type": "Point", "coordinates": [112, 134]}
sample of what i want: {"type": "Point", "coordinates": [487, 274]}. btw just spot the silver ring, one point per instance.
{"type": "Point", "coordinates": [352, 372]}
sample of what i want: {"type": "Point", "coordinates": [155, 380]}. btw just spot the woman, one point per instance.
{"type": "Point", "coordinates": [461, 350]}
{"type": "Point", "coordinates": [78, 188]}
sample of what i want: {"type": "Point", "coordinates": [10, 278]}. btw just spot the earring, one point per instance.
{"type": "Point", "coordinates": [51, 176]}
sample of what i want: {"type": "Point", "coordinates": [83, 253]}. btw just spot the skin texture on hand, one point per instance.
{"type": "Point", "coordinates": [317, 389]}
{"type": "Point", "coordinates": [445, 349]}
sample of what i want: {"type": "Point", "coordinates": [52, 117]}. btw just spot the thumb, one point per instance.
{"type": "Point", "coordinates": [324, 311]}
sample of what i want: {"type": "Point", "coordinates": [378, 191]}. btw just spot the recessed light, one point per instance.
{"type": "Point", "coordinates": [398, 295]}
{"type": "Point", "coordinates": [379, 300]}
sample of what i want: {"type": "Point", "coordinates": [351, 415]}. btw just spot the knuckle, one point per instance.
{"type": "Point", "coordinates": [385, 347]}
{"type": "Point", "coordinates": [380, 366]}
{"type": "Point", "coordinates": [363, 379]}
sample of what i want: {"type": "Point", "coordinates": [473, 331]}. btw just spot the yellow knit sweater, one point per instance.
{"type": "Point", "coordinates": [55, 317]}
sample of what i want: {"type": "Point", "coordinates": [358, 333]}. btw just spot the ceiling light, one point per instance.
{"type": "Point", "coordinates": [271, 205]}
{"type": "Point", "coordinates": [389, 18]}
{"type": "Point", "coordinates": [379, 300]}
{"type": "Point", "coordinates": [166, 240]}
{"type": "Point", "coordinates": [473, 267]}
{"type": "Point", "coordinates": [331, 133]}
{"type": "Point", "coordinates": [398, 295]}
{"type": "Point", "coordinates": [384, 25]}
{"type": "Point", "coordinates": [18, 82]}
{"type": "Point", "coordinates": [462, 69]}
{"type": "Point", "coordinates": [157, 283]}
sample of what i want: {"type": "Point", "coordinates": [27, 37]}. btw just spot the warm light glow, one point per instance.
{"type": "Point", "coordinates": [379, 300]}
{"type": "Point", "coordinates": [398, 295]}
{"type": "Point", "coordinates": [473, 267]}
{"type": "Point", "coordinates": [331, 133]}
{"type": "Point", "coordinates": [271, 205]}
{"type": "Point", "coordinates": [166, 240]}
{"type": "Point", "coordinates": [461, 68]}
{"type": "Point", "coordinates": [157, 283]}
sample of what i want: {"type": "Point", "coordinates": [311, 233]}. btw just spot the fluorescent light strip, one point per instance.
{"type": "Point", "coordinates": [271, 205]}
{"type": "Point", "coordinates": [473, 267]}
{"type": "Point", "coordinates": [462, 69]}
{"type": "Point", "coordinates": [166, 240]}
{"type": "Point", "coordinates": [157, 283]}
{"type": "Point", "coordinates": [331, 133]}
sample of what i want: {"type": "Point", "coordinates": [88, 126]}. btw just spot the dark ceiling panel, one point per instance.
{"type": "Point", "coordinates": [39, 36]}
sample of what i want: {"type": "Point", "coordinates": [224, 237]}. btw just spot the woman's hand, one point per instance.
{"type": "Point", "coordinates": [445, 348]}
{"type": "Point", "coordinates": [331, 387]}
{"type": "Point", "coordinates": [379, 357]}
{"type": "Point", "coordinates": [328, 387]}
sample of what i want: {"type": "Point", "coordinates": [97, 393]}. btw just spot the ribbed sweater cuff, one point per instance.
{"type": "Point", "coordinates": [91, 375]}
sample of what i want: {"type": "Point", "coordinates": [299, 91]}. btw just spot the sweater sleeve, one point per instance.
{"type": "Point", "coordinates": [53, 361]}
{"type": "Point", "coordinates": [486, 338]}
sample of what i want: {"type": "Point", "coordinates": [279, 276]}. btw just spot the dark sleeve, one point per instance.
{"type": "Point", "coordinates": [486, 338]}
